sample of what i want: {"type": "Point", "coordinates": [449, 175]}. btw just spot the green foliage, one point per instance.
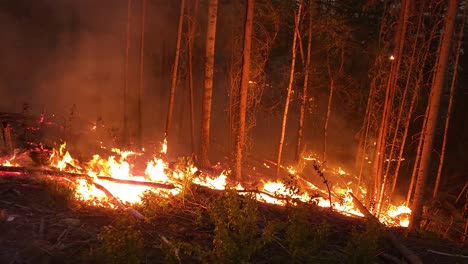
{"type": "Point", "coordinates": [185, 175]}
{"type": "Point", "coordinates": [305, 242]}
{"type": "Point", "coordinates": [60, 191]}
{"type": "Point", "coordinates": [120, 243]}
{"type": "Point", "coordinates": [363, 245]}
{"type": "Point", "coordinates": [236, 234]}
{"type": "Point", "coordinates": [153, 204]}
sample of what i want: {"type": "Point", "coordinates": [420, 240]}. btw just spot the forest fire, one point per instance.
{"type": "Point", "coordinates": [131, 188]}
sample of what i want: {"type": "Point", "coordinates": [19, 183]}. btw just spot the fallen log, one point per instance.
{"type": "Point", "coordinates": [73, 174]}
{"type": "Point", "coordinates": [408, 254]}
{"type": "Point", "coordinates": [119, 204]}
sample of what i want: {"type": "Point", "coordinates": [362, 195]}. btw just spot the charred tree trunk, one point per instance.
{"type": "Point", "coordinates": [142, 72]}
{"type": "Point", "coordinates": [190, 39]}
{"type": "Point", "coordinates": [305, 88]}
{"type": "Point", "coordinates": [290, 85]}
{"type": "Point", "coordinates": [436, 94]}
{"type": "Point", "coordinates": [244, 88]}
{"type": "Point", "coordinates": [174, 71]}
{"type": "Point", "coordinates": [203, 158]}
{"type": "Point", "coordinates": [450, 105]}
{"type": "Point", "coordinates": [125, 134]}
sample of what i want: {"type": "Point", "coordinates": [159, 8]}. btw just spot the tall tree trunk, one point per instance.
{"type": "Point", "coordinates": [412, 104]}
{"type": "Point", "coordinates": [291, 81]}
{"type": "Point", "coordinates": [450, 105]}
{"type": "Point", "coordinates": [436, 91]}
{"type": "Point", "coordinates": [244, 88]}
{"type": "Point", "coordinates": [191, 36]}
{"type": "Point", "coordinates": [305, 88]}
{"type": "Point", "coordinates": [142, 71]}
{"type": "Point", "coordinates": [208, 91]}
{"type": "Point", "coordinates": [174, 71]}
{"type": "Point", "coordinates": [125, 134]}
{"type": "Point", "coordinates": [399, 53]}
{"type": "Point", "coordinates": [377, 166]}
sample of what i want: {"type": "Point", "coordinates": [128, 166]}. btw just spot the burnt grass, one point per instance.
{"type": "Point", "coordinates": [41, 222]}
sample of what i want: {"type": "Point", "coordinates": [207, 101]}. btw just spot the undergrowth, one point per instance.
{"type": "Point", "coordinates": [120, 243]}
{"type": "Point", "coordinates": [59, 191]}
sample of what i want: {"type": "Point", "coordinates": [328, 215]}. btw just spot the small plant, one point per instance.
{"type": "Point", "coordinates": [184, 175]}
{"type": "Point", "coordinates": [318, 169]}
{"type": "Point", "coordinates": [363, 245]}
{"type": "Point", "coordinates": [120, 243]}
{"type": "Point", "coordinates": [305, 242]}
{"type": "Point", "coordinates": [152, 205]}
{"type": "Point", "coordinates": [236, 234]}
{"type": "Point", "coordinates": [60, 191]}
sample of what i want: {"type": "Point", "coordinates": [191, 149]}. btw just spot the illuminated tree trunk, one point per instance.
{"type": "Point", "coordinates": [411, 107]}
{"type": "Point", "coordinates": [327, 118]}
{"type": "Point", "coordinates": [125, 90]}
{"type": "Point", "coordinates": [305, 88]}
{"type": "Point", "coordinates": [291, 81]}
{"type": "Point", "coordinates": [191, 36]}
{"type": "Point", "coordinates": [208, 91]}
{"type": "Point", "coordinates": [142, 71]}
{"type": "Point", "coordinates": [174, 71]}
{"type": "Point", "coordinates": [450, 105]}
{"type": "Point", "coordinates": [244, 88]}
{"type": "Point", "coordinates": [418, 156]}
{"type": "Point", "coordinates": [377, 166]}
{"type": "Point", "coordinates": [398, 53]}
{"type": "Point", "coordinates": [436, 94]}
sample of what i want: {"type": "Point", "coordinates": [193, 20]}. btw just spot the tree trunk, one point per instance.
{"type": "Point", "coordinates": [399, 53]}
{"type": "Point", "coordinates": [450, 105]}
{"type": "Point", "coordinates": [142, 71]}
{"type": "Point", "coordinates": [411, 107]}
{"type": "Point", "coordinates": [436, 91]}
{"type": "Point", "coordinates": [304, 98]}
{"type": "Point", "coordinates": [191, 36]}
{"type": "Point", "coordinates": [418, 155]}
{"type": "Point", "coordinates": [203, 158]}
{"type": "Point", "coordinates": [291, 81]}
{"type": "Point", "coordinates": [125, 89]}
{"type": "Point", "coordinates": [174, 71]}
{"type": "Point", "coordinates": [327, 119]}
{"type": "Point", "coordinates": [244, 88]}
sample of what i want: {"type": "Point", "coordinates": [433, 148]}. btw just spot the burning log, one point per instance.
{"type": "Point", "coordinates": [71, 174]}
{"type": "Point", "coordinates": [117, 203]}
{"type": "Point", "coordinates": [408, 254]}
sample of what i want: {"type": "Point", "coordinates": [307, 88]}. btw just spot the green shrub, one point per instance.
{"type": "Point", "coordinates": [363, 245]}
{"type": "Point", "coordinates": [236, 234]}
{"type": "Point", "coordinates": [60, 191]}
{"type": "Point", "coordinates": [121, 242]}
{"type": "Point", "coordinates": [304, 241]}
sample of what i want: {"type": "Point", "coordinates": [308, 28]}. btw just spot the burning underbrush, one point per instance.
{"type": "Point", "coordinates": [120, 178]}
{"type": "Point", "coordinates": [120, 206]}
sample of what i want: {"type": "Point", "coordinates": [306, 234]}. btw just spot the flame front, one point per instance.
{"type": "Point", "coordinates": [119, 166]}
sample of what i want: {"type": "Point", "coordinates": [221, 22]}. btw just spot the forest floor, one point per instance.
{"type": "Point", "coordinates": [40, 222]}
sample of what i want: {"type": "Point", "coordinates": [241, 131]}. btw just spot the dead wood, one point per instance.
{"type": "Point", "coordinates": [390, 258]}
{"type": "Point", "coordinates": [452, 210]}
{"type": "Point", "coordinates": [119, 204]}
{"type": "Point", "coordinates": [408, 254]}
{"type": "Point", "coordinates": [32, 171]}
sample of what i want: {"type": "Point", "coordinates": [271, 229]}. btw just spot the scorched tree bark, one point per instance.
{"type": "Point", "coordinates": [244, 88]}
{"type": "Point", "coordinates": [208, 91]}
{"type": "Point", "coordinates": [436, 94]}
